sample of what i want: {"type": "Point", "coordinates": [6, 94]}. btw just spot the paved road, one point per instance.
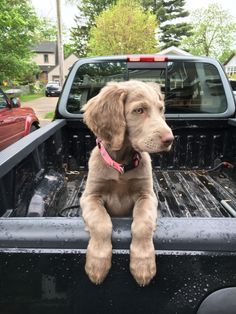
{"type": "Point", "coordinates": [41, 107]}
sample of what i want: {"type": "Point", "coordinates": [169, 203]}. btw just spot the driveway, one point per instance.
{"type": "Point", "coordinates": [41, 107]}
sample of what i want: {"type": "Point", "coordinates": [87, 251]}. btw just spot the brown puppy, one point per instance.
{"type": "Point", "coordinates": [127, 117]}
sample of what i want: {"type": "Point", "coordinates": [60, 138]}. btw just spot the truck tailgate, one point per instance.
{"type": "Point", "coordinates": [42, 267]}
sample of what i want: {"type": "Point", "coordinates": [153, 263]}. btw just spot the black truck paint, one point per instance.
{"type": "Point", "coordinates": [42, 236]}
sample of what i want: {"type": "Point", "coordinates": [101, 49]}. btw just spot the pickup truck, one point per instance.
{"type": "Point", "coordinates": [43, 239]}
{"type": "Point", "coordinates": [15, 122]}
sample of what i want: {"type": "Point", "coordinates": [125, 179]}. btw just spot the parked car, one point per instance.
{"type": "Point", "coordinates": [15, 122]}
{"type": "Point", "coordinates": [53, 89]}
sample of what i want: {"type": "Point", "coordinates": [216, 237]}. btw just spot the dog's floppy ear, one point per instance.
{"type": "Point", "coordinates": [104, 115]}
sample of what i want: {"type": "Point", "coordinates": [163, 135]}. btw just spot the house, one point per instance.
{"type": "Point", "coordinates": [45, 56]}
{"type": "Point", "coordinates": [54, 74]}
{"type": "Point", "coordinates": [230, 65]}
{"type": "Point", "coordinates": [174, 51]}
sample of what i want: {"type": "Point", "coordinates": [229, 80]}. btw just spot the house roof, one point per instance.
{"type": "Point", "coordinates": [45, 46]}
{"type": "Point", "coordinates": [174, 51]}
{"type": "Point", "coordinates": [231, 57]}
{"type": "Point", "coordinates": [70, 60]}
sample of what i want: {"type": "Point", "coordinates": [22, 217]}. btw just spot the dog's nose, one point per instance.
{"type": "Point", "coordinates": [167, 139]}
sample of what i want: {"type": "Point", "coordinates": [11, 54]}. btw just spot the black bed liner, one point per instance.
{"type": "Point", "coordinates": [180, 193]}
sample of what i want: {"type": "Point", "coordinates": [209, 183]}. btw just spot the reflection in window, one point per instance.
{"type": "Point", "coordinates": [189, 87]}
{"type": "Point", "coordinates": [90, 78]}
{"type": "Point", "coordinates": [3, 102]}
{"type": "Point", "coordinates": [194, 87]}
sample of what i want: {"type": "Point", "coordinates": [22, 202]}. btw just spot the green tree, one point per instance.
{"type": "Point", "coordinates": [133, 32]}
{"type": "Point", "coordinates": [68, 49]}
{"type": "Point", "coordinates": [227, 53]}
{"type": "Point", "coordinates": [18, 24]}
{"type": "Point", "coordinates": [46, 30]}
{"type": "Point", "coordinates": [214, 32]}
{"type": "Point", "coordinates": [173, 29]}
{"type": "Point", "coordinates": [89, 10]}
{"type": "Point", "coordinates": [170, 15]}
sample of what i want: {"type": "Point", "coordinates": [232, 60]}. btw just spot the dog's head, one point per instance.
{"type": "Point", "coordinates": [133, 110]}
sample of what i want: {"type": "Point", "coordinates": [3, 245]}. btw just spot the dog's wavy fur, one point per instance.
{"type": "Point", "coordinates": [127, 117]}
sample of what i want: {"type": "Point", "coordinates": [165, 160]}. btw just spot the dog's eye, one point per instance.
{"type": "Point", "coordinates": [139, 110]}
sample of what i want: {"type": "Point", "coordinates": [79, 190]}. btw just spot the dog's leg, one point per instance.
{"type": "Point", "coordinates": [99, 250]}
{"type": "Point", "coordinates": [142, 253]}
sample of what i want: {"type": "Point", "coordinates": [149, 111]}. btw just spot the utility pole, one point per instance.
{"type": "Point", "coordinates": [60, 43]}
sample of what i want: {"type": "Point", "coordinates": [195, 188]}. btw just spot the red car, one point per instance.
{"type": "Point", "coordinates": [15, 122]}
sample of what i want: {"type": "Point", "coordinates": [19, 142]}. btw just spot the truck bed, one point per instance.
{"type": "Point", "coordinates": [187, 181]}
{"type": "Point", "coordinates": [180, 193]}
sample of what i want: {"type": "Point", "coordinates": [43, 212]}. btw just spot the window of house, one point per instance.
{"type": "Point", "coordinates": [45, 58]}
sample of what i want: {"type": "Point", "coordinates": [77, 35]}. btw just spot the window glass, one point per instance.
{"type": "Point", "coordinates": [149, 75]}
{"type": "Point", "coordinates": [188, 87]}
{"type": "Point", "coordinates": [45, 58]}
{"type": "Point", "coordinates": [90, 78]}
{"type": "Point", "coordinates": [194, 87]}
{"type": "Point", "coordinates": [3, 101]}
{"type": "Point", "coordinates": [233, 85]}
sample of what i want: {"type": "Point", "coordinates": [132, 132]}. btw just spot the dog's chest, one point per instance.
{"type": "Point", "coordinates": [119, 196]}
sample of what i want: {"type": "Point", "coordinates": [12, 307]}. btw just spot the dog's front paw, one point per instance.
{"type": "Point", "coordinates": [98, 264]}
{"type": "Point", "coordinates": [97, 269]}
{"type": "Point", "coordinates": [143, 266]}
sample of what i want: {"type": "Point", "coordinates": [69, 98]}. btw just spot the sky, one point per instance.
{"type": "Point", "coordinates": [47, 8]}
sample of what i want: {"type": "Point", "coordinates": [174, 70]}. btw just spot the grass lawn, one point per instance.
{"type": "Point", "coordinates": [28, 97]}
{"type": "Point", "coordinates": [49, 115]}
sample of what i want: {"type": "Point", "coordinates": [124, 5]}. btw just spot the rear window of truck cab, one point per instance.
{"type": "Point", "coordinates": [188, 86]}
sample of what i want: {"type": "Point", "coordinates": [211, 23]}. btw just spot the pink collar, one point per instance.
{"type": "Point", "coordinates": [119, 167]}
